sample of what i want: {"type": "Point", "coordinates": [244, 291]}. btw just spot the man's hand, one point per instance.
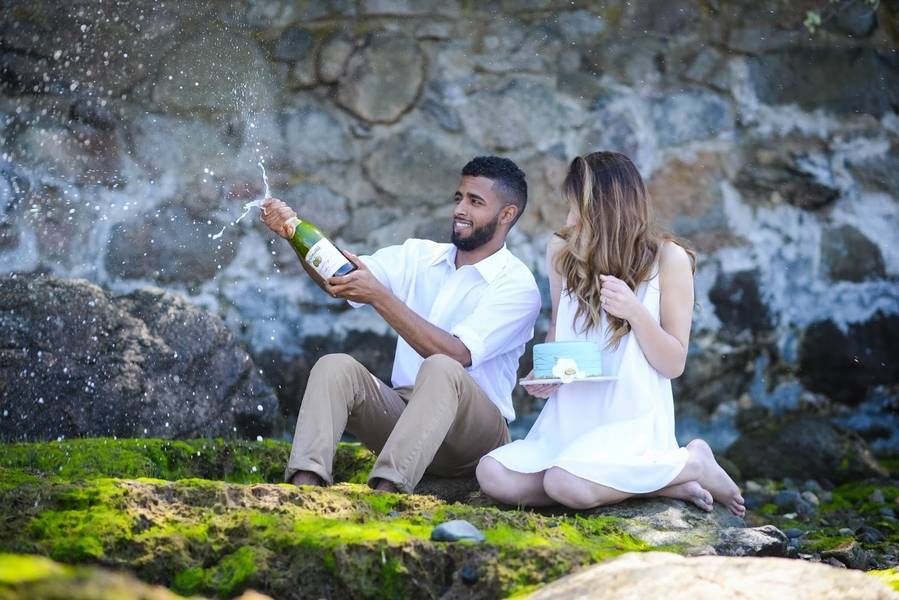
{"type": "Point", "coordinates": [358, 286]}
{"type": "Point", "coordinates": [278, 217]}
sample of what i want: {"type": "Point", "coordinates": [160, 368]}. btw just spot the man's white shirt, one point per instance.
{"type": "Point", "coordinates": [490, 306]}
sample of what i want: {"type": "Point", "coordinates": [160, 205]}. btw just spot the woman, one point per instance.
{"type": "Point", "coordinates": [616, 280]}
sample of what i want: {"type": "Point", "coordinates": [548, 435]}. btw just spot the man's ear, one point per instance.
{"type": "Point", "coordinates": [508, 214]}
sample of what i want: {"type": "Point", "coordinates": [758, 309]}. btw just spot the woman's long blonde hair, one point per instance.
{"type": "Point", "coordinates": [615, 234]}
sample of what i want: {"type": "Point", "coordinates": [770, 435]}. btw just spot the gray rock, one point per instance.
{"type": "Point", "coordinates": [383, 78]}
{"type": "Point", "coordinates": [320, 205]}
{"type": "Point", "coordinates": [787, 499]}
{"type": "Point", "coordinates": [840, 80]}
{"type": "Point", "coordinates": [690, 115]}
{"type": "Point", "coordinates": [163, 245]}
{"type": "Point", "coordinates": [215, 71]}
{"type": "Point", "coordinates": [803, 446]}
{"type": "Point", "coordinates": [333, 57]}
{"type": "Point", "coordinates": [314, 136]}
{"type": "Point", "coordinates": [767, 540]}
{"type": "Point", "coordinates": [848, 255]}
{"type": "Point", "coordinates": [416, 168]}
{"type": "Point", "coordinates": [520, 113]}
{"type": "Point", "coordinates": [811, 498]}
{"type": "Point", "coordinates": [687, 578]}
{"type": "Point", "coordinates": [846, 364]}
{"type": "Point", "coordinates": [738, 303]}
{"type": "Point", "coordinates": [850, 554]}
{"type": "Point", "coordinates": [877, 496]}
{"type": "Point", "coordinates": [758, 40]}
{"type": "Point", "coordinates": [856, 19]}
{"type": "Point", "coordinates": [456, 530]}
{"type": "Point", "coordinates": [143, 364]}
{"type": "Point", "coordinates": [294, 44]}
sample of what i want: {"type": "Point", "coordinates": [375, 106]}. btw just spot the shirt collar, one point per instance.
{"type": "Point", "coordinates": [489, 267]}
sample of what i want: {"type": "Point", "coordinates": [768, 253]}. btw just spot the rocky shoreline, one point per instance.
{"type": "Point", "coordinates": [208, 516]}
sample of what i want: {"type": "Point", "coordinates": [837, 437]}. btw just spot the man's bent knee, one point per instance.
{"type": "Point", "coordinates": [332, 365]}
{"type": "Point", "coordinates": [440, 365]}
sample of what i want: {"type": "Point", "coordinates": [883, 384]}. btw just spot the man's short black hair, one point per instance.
{"type": "Point", "coordinates": [508, 179]}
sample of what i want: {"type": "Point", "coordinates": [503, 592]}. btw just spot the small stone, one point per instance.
{"type": "Point", "coordinates": [787, 499]}
{"type": "Point", "coordinates": [794, 532]}
{"type": "Point", "coordinates": [834, 563]}
{"type": "Point", "coordinates": [877, 496]}
{"type": "Point", "coordinates": [753, 487]}
{"type": "Point", "coordinates": [849, 553]}
{"type": "Point", "coordinates": [888, 512]}
{"type": "Point", "coordinates": [826, 496]}
{"type": "Point", "coordinates": [844, 531]}
{"type": "Point", "coordinates": [812, 486]}
{"type": "Point", "coordinates": [870, 535]}
{"type": "Point", "coordinates": [455, 530]}
{"type": "Point", "coordinates": [469, 575]}
{"type": "Point", "coordinates": [811, 498]}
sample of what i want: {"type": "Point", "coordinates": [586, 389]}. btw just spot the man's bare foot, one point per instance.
{"type": "Point", "coordinates": [306, 478]}
{"type": "Point", "coordinates": [690, 491]}
{"type": "Point", "coordinates": [386, 486]}
{"type": "Point", "coordinates": [716, 480]}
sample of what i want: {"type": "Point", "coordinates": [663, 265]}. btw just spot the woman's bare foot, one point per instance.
{"type": "Point", "coordinates": [306, 478]}
{"type": "Point", "coordinates": [716, 480]}
{"type": "Point", "coordinates": [690, 491]}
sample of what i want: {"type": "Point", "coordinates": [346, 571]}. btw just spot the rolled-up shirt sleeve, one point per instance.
{"type": "Point", "coordinates": [388, 265]}
{"type": "Point", "coordinates": [504, 319]}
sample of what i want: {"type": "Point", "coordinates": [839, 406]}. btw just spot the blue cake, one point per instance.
{"type": "Point", "coordinates": [578, 360]}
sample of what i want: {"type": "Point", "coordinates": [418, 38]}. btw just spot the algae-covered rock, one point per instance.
{"type": "Point", "coordinates": [29, 577]}
{"type": "Point", "coordinates": [160, 509]}
{"type": "Point", "coordinates": [658, 575]}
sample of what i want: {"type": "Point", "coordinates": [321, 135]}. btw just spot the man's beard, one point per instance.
{"type": "Point", "coordinates": [478, 237]}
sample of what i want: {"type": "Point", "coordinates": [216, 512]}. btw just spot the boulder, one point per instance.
{"type": "Point", "coordinates": [78, 361]}
{"type": "Point", "coordinates": [163, 245]}
{"type": "Point", "coordinates": [383, 78]}
{"type": "Point", "coordinates": [803, 447]}
{"type": "Point", "coordinates": [839, 80]}
{"type": "Point", "coordinates": [846, 363]}
{"type": "Point", "coordinates": [215, 71]}
{"type": "Point", "coordinates": [518, 113]}
{"type": "Point", "coordinates": [656, 575]}
{"type": "Point", "coordinates": [848, 255]}
{"type": "Point", "coordinates": [415, 168]}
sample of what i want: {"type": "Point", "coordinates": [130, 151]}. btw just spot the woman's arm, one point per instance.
{"type": "Point", "coordinates": [665, 345]}
{"type": "Point", "coordinates": [555, 282]}
{"type": "Point", "coordinates": [555, 291]}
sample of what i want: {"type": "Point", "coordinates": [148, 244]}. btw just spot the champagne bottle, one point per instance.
{"type": "Point", "coordinates": [318, 252]}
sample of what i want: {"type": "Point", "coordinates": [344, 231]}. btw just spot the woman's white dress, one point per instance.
{"type": "Point", "coordinates": [619, 433]}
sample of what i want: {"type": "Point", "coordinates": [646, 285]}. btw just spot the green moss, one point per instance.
{"type": "Point", "coordinates": [235, 461]}
{"type": "Point", "coordinates": [769, 509]}
{"type": "Point", "coordinates": [819, 543]}
{"type": "Point", "coordinates": [19, 568]}
{"type": "Point", "coordinates": [888, 576]}
{"type": "Point", "coordinates": [77, 535]}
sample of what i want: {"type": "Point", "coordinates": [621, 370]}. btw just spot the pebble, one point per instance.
{"type": "Point", "coordinates": [834, 563]}
{"type": "Point", "coordinates": [846, 531]}
{"type": "Point", "coordinates": [812, 486]}
{"type": "Point", "coordinates": [888, 512]}
{"type": "Point", "coordinates": [753, 487]}
{"type": "Point", "coordinates": [811, 498]}
{"type": "Point", "coordinates": [455, 530]}
{"type": "Point", "coordinates": [826, 496]}
{"type": "Point", "coordinates": [794, 532]}
{"type": "Point", "coordinates": [469, 575]}
{"type": "Point", "coordinates": [787, 499]}
{"type": "Point", "coordinates": [877, 496]}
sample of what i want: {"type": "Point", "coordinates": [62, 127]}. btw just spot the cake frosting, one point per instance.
{"type": "Point", "coordinates": [567, 360]}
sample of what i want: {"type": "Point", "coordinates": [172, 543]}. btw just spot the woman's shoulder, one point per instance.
{"type": "Point", "coordinates": [674, 257]}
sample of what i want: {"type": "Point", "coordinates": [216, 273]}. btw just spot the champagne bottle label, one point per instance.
{"type": "Point", "coordinates": [325, 258]}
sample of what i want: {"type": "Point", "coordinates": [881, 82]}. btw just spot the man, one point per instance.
{"type": "Point", "coordinates": [463, 313]}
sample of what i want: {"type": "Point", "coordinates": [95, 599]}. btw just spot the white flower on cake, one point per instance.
{"type": "Point", "coordinates": [566, 370]}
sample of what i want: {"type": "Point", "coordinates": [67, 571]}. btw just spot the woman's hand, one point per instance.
{"type": "Point", "coordinates": [541, 391]}
{"type": "Point", "coordinates": [618, 299]}
{"type": "Point", "coordinates": [278, 217]}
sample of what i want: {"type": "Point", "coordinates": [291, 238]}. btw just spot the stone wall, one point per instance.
{"type": "Point", "coordinates": [132, 131]}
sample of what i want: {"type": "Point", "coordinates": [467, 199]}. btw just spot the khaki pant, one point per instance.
{"type": "Point", "coordinates": [443, 424]}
